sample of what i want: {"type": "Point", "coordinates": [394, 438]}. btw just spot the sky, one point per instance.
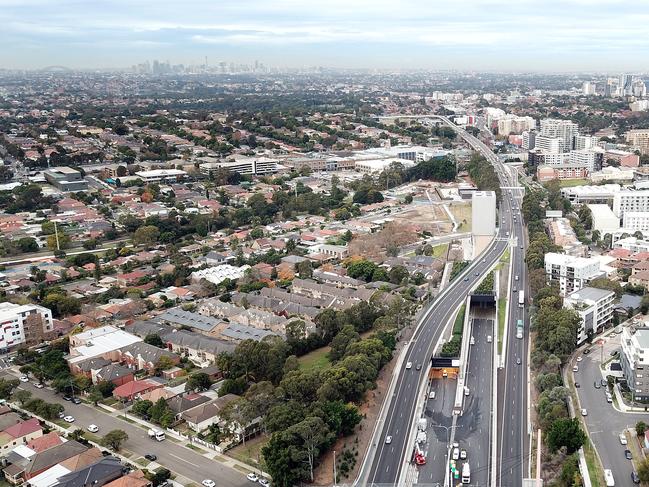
{"type": "Point", "coordinates": [492, 35]}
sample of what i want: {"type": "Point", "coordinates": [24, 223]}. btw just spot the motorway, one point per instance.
{"type": "Point", "coordinates": [172, 455]}
{"type": "Point", "coordinates": [384, 461]}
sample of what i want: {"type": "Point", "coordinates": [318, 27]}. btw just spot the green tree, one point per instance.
{"type": "Point", "coordinates": [345, 337]}
{"type": "Point", "coordinates": [198, 381]}
{"type": "Point", "coordinates": [7, 387]}
{"type": "Point", "coordinates": [361, 269]}
{"type": "Point", "coordinates": [114, 439]}
{"type": "Point", "coordinates": [567, 433]}
{"type": "Point", "coordinates": [155, 340]}
{"type": "Point", "coordinates": [643, 470]}
{"type": "Point", "coordinates": [22, 396]}
{"type": "Point", "coordinates": [146, 235]}
{"type": "Point", "coordinates": [640, 428]}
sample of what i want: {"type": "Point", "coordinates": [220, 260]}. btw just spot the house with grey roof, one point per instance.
{"type": "Point", "coordinates": [27, 468]}
{"type": "Point", "coordinates": [178, 318]}
{"type": "Point", "coordinates": [95, 475]}
{"type": "Point", "coordinates": [183, 402]}
{"type": "Point", "coordinates": [142, 356]}
{"type": "Point", "coordinates": [237, 332]}
{"type": "Point", "coordinates": [200, 349]}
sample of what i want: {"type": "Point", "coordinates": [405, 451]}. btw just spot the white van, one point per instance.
{"type": "Point", "coordinates": [489, 339]}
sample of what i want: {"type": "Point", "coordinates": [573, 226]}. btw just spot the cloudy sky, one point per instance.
{"type": "Point", "coordinates": [541, 35]}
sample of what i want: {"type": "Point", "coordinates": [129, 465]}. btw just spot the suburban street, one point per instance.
{"type": "Point", "coordinates": [171, 454]}
{"type": "Point", "coordinates": [604, 422]}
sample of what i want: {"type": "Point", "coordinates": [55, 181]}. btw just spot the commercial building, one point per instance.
{"type": "Point", "coordinates": [250, 166]}
{"type": "Point", "coordinates": [594, 307]}
{"type": "Point", "coordinates": [28, 324]}
{"type": "Point", "coordinates": [571, 273]}
{"type": "Point", "coordinates": [591, 194]}
{"type": "Point", "coordinates": [624, 158]}
{"type": "Point", "coordinates": [161, 175]}
{"type": "Point", "coordinates": [565, 171]}
{"type": "Point", "coordinates": [634, 221]}
{"type": "Point", "coordinates": [588, 88]}
{"type": "Point", "coordinates": [632, 244]}
{"type": "Point", "coordinates": [483, 210]}
{"type": "Point", "coordinates": [65, 179]}
{"type": "Point", "coordinates": [638, 138]}
{"type": "Point", "coordinates": [370, 166]}
{"type": "Point", "coordinates": [634, 360]}
{"type": "Point", "coordinates": [628, 200]}
{"type": "Point", "coordinates": [566, 130]}
{"type": "Point", "coordinates": [604, 220]}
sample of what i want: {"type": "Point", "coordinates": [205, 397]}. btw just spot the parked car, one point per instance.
{"type": "Point", "coordinates": [24, 378]}
{"type": "Point", "coordinates": [208, 483]}
{"type": "Point", "coordinates": [627, 455]}
{"type": "Point", "coordinates": [462, 454]}
{"type": "Point", "coordinates": [93, 428]}
{"type": "Point", "coordinates": [151, 457]}
{"type": "Point", "coordinates": [252, 477]}
{"type": "Point", "coordinates": [67, 398]}
{"type": "Point", "coordinates": [68, 419]}
{"type": "Point", "coordinates": [584, 412]}
{"type": "Point", "coordinates": [577, 385]}
{"type": "Point", "coordinates": [604, 382]}
{"type": "Point", "coordinates": [580, 358]}
{"type": "Point", "coordinates": [264, 482]}
{"type": "Point", "coordinates": [39, 385]}
{"type": "Point", "coordinates": [635, 478]}
{"type": "Point", "coordinates": [456, 453]}
{"type": "Point", "coordinates": [76, 400]}
{"type": "Point", "coordinates": [623, 439]}
{"type": "Point", "coordinates": [61, 415]}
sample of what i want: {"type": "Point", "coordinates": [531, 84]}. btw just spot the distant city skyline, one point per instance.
{"type": "Point", "coordinates": [494, 35]}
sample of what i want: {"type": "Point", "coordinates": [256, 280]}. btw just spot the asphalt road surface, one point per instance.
{"type": "Point", "coordinates": [604, 422]}
{"type": "Point", "coordinates": [385, 461]}
{"type": "Point", "coordinates": [172, 455]}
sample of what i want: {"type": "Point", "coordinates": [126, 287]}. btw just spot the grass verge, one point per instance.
{"type": "Point", "coordinates": [594, 468]}
{"type": "Point", "coordinates": [316, 360]}
{"type": "Point", "coordinates": [502, 305]}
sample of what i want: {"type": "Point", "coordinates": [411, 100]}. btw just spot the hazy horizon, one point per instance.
{"type": "Point", "coordinates": [467, 35]}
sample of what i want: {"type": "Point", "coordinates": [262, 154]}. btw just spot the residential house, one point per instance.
{"type": "Point", "coordinates": [200, 349]}
{"type": "Point", "coordinates": [97, 474]}
{"type": "Point", "coordinates": [27, 468]}
{"type": "Point", "coordinates": [134, 389]}
{"type": "Point", "coordinates": [133, 479]}
{"type": "Point", "coordinates": [184, 402]}
{"type": "Point", "coordinates": [19, 434]}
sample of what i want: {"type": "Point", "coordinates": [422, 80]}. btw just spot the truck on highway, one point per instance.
{"type": "Point", "coordinates": [155, 434]}
{"type": "Point", "coordinates": [423, 424]}
{"type": "Point", "coordinates": [466, 473]}
{"type": "Point", "coordinates": [521, 298]}
{"type": "Point", "coordinates": [519, 329]}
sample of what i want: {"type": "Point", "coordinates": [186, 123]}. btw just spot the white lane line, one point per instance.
{"type": "Point", "coordinates": [183, 460]}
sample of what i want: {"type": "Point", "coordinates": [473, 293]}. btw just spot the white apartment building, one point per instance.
{"type": "Point", "coordinates": [634, 360]}
{"type": "Point", "coordinates": [18, 322]}
{"type": "Point", "coordinates": [632, 244]}
{"type": "Point", "coordinates": [604, 220]}
{"type": "Point", "coordinates": [591, 194]}
{"type": "Point", "coordinates": [634, 221]}
{"type": "Point", "coordinates": [514, 124]}
{"type": "Point", "coordinates": [585, 142]}
{"type": "Point", "coordinates": [549, 144]}
{"type": "Point", "coordinates": [571, 273]}
{"type": "Point", "coordinates": [161, 175]}
{"type": "Point", "coordinates": [588, 88]}
{"type": "Point", "coordinates": [624, 201]}
{"type": "Point", "coordinates": [563, 129]}
{"type": "Point", "coordinates": [591, 158]}
{"type": "Point", "coordinates": [483, 211]}
{"type": "Point", "coordinates": [250, 166]}
{"type": "Point", "coordinates": [594, 307]}
{"type": "Point", "coordinates": [638, 138]}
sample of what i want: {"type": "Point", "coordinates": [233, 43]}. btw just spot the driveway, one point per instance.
{"type": "Point", "coordinates": [171, 454]}
{"type": "Point", "coordinates": [604, 422]}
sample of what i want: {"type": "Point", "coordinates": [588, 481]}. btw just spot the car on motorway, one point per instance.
{"type": "Point", "coordinates": [208, 483]}
{"type": "Point", "coordinates": [151, 457]}
{"type": "Point", "coordinates": [24, 378]}
{"type": "Point", "coordinates": [466, 279]}
{"type": "Point", "coordinates": [431, 395]}
{"type": "Point", "coordinates": [444, 373]}
{"type": "Point", "coordinates": [68, 419]}
{"type": "Point", "coordinates": [597, 385]}
{"type": "Point", "coordinates": [93, 428]}
{"type": "Point", "coordinates": [518, 360]}
{"type": "Point", "coordinates": [252, 477]}
{"type": "Point", "coordinates": [627, 455]}
{"type": "Point", "coordinates": [456, 453]}
{"type": "Point", "coordinates": [584, 412]}
{"type": "Point", "coordinates": [489, 339]}
{"type": "Point", "coordinates": [409, 366]}
{"type": "Point", "coordinates": [575, 368]}
{"type": "Point", "coordinates": [623, 439]}
{"type": "Point", "coordinates": [418, 367]}
{"type": "Point", "coordinates": [477, 274]}
{"type": "Point", "coordinates": [388, 440]}
{"type": "Point", "coordinates": [462, 454]}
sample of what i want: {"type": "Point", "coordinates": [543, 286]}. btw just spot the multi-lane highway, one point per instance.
{"type": "Point", "coordinates": [384, 461]}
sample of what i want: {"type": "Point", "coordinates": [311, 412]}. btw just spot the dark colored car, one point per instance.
{"type": "Point", "coordinates": [627, 454]}
{"type": "Point", "coordinates": [418, 366]}
{"type": "Point", "coordinates": [151, 456]}
{"type": "Point", "coordinates": [597, 385]}
{"type": "Point", "coordinates": [603, 382]}
{"type": "Point", "coordinates": [587, 351]}
{"type": "Point", "coordinates": [577, 384]}
{"type": "Point", "coordinates": [635, 477]}
{"type": "Point", "coordinates": [76, 400]}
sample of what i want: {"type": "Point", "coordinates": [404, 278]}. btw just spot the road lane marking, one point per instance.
{"type": "Point", "coordinates": [183, 460]}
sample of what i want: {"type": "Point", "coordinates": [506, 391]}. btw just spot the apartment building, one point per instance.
{"type": "Point", "coordinates": [632, 244]}
{"type": "Point", "coordinates": [638, 138]}
{"type": "Point", "coordinates": [244, 166]}
{"type": "Point", "coordinates": [628, 200]}
{"type": "Point", "coordinates": [570, 272]}
{"type": "Point", "coordinates": [161, 175]}
{"type": "Point", "coordinates": [634, 221]}
{"type": "Point", "coordinates": [549, 144]}
{"type": "Point", "coordinates": [562, 234]}
{"type": "Point", "coordinates": [566, 130]}
{"type": "Point", "coordinates": [585, 142]}
{"type": "Point", "coordinates": [591, 194]}
{"type": "Point", "coordinates": [594, 307]}
{"type": "Point", "coordinates": [483, 210]}
{"type": "Point", "coordinates": [635, 361]}
{"type": "Point", "coordinates": [24, 324]}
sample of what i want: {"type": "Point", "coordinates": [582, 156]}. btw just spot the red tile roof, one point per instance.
{"type": "Point", "coordinates": [24, 428]}
{"type": "Point", "coordinates": [135, 387]}
{"type": "Point", "coordinates": [45, 442]}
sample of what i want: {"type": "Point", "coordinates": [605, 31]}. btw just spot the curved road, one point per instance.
{"type": "Point", "coordinates": [386, 464]}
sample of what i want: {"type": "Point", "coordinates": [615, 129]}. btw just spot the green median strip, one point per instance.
{"type": "Point", "coordinates": [502, 304]}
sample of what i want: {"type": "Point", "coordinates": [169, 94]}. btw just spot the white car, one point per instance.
{"type": "Point", "coordinates": [68, 419]}
{"type": "Point", "coordinates": [39, 385]}
{"type": "Point", "coordinates": [24, 378]}
{"type": "Point", "coordinates": [93, 428]}
{"type": "Point", "coordinates": [579, 359]}
{"type": "Point", "coordinates": [584, 412]}
{"type": "Point", "coordinates": [409, 366]}
{"type": "Point", "coordinates": [622, 439]}
{"type": "Point", "coordinates": [252, 477]}
{"type": "Point", "coordinates": [264, 482]}
{"type": "Point", "coordinates": [208, 483]}
{"type": "Point", "coordinates": [456, 453]}
{"type": "Point", "coordinates": [61, 415]}
{"type": "Point", "coordinates": [388, 440]}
